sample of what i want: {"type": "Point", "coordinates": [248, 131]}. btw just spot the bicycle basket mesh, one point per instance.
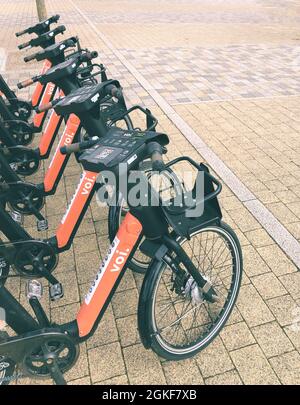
{"type": "Point", "coordinates": [185, 191]}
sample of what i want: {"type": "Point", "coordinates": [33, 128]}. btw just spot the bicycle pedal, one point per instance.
{"type": "Point", "coordinates": [42, 225]}
{"type": "Point", "coordinates": [17, 217]}
{"type": "Point", "coordinates": [34, 289]}
{"type": "Point", "coordinates": [56, 291]}
{"type": "Point", "coordinates": [14, 166]}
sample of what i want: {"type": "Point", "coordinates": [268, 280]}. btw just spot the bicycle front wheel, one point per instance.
{"type": "Point", "coordinates": [176, 320]}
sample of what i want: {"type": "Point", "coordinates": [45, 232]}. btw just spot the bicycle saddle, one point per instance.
{"type": "Point", "coordinates": [120, 146]}
{"type": "Point", "coordinates": [84, 98]}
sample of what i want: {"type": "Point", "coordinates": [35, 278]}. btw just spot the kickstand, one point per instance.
{"type": "Point", "coordinates": [56, 374]}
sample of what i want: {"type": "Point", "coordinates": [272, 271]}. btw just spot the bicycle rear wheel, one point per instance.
{"type": "Point", "coordinates": [174, 318]}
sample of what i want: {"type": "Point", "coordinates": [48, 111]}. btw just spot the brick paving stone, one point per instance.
{"type": "Point", "coordinates": [259, 238]}
{"type": "Point", "coordinates": [80, 381]}
{"type": "Point", "coordinates": [106, 331]}
{"type": "Point", "coordinates": [119, 380]}
{"type": "Point", "coordinates": [283, 309]}
{"type": "Point", "coordinates": [183, 372]}
{"type": "Point", "coordinates": [81, 368]}
{"type": "Point", "coordinates": [236, 336]}
{"type": "Point", "coordinates": [244, 220]}
{"type": "Point", "coordinates": [125, 303]}
{"type": "Point", "coordinates": [272, 339]}
{"type": "Point", "coordinates": [64, 313]}
{"type": "Point", "coordinates": [143, 366]}
{"type": "Point", "coordinates": [292, 284]}
{"type": "Point", "coordinates": [228, 378]}
{"type": "Point", "coordinates": [85, 244]}
{"type": "Point", "coordinates": [287, 367]}
{"type": "Point", "coordinates": [128, 331]}
{"type": "Point", "coordinates": [253, 367]}
{"type": "Point", "coordinates": [214, 359]}
{"type": "Point", "coordinates": [106, 362]}
{"type": "Point", "coordinates": [86, 265]}
{"type": "Point", "coordinates": [252, 307]}
{"type": "Point", "coordinates": [276, 260]}
{"type": "Point", "coordinates": [127, 281]}
{"type": "Point", "coordinates": [66, 262]}
{"type": "Point", "coordinates": [253, 263]}
{"type": "Point", "coordinates": [268, 285]}
{"type": "Point", "coordinates": [293, 332]}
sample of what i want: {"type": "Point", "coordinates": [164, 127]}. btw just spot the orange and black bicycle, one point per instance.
{"type": "Point", "coordinates": [190, 286]}
{"type": "Point", "coordinates": [45, 38]}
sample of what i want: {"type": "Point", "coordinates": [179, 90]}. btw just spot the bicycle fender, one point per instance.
{"type": "Point", "coordinates": [144, 299]}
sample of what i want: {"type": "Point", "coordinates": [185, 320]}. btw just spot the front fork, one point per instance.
{"type": "Point", "coordinates": [207, 289]}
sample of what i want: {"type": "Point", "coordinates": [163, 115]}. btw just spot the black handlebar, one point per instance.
{"type": "Point", "coordinates": [88, 56]}
{"type": "Point", "coordinates": [30, 57]}
{"type": "Point", "coordinates": [28, 82]}
{"type": "Point", "coordinates": [48, 106]}
{"type": "Point", "coordinates": [114, 91]}
{"type": "Point", "coordinates": [39, 28]}
{"type": "Point", "coordinates": [156, 151]}
{"type": "Point", "coordinates": [78, 147]}
{"type": "Point", "coordinates": [43, 38]}
{"type": "Point", "coordinates": [24, 45]}
{"type": "Point", "coordinates": [63, 45]}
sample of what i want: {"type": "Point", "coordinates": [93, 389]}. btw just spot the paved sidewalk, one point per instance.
{"type": "Point", "coordinates": [231, 70]}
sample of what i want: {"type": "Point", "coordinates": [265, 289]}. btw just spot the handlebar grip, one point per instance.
{"type": "Point", "coordinates": [157, 162]}
{"type": "Point", "coordinates": [27, 83]}
{"type": "Point", "coordinates": [48, 106]}
{"type": "Point", "coordinates": [30, 57]}
{"type": "Point", "coordinates": [55, 18]}
{"type": "Point", "coordinates": [114, 91]}
{"type": "Point", "coordinates": [87, 56]}
{"type": "Point", "coordinates": [18, 34]}
{"type": "Point", "coordinates": [60, 29]}
{"type": "Point", "coordinates": [156, 153]}
{"type": "Point", "coordinates": [43, 107]}
{"type": "Point", "coordinates": [68, 150]}
{"type": "Point", "coordinates": [79, 146]}
{"type": "Point", "coordinates": [71, 41]}
{"type": "Point", "coordinates": [25, 45]}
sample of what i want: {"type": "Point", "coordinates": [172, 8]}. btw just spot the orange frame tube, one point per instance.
{"type": "Point", "coordinates": [108, 274]}
{"type": "Point", "coordinates": [76, 208]}
{"type": "Point", "coordinates": [46, 98]}
{"type": "Point", "coordinates": [38, 91]}
{"type": "Point", "coordinates": [48, 135]}
{"type": "Point", "coordinates": [56, 165]}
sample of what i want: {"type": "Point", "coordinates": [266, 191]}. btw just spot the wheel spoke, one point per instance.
{"type": "Point", "coordinates": [190, 319]}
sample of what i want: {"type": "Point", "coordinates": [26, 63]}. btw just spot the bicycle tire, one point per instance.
{"type": "Point", "coordinates": [146, 313]}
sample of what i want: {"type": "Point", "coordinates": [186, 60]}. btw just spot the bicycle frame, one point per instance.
{"type": "Point", "coordinates": [59, 161]}
{"type": "Point", "coordinates": [109, 276]}
{"type": "Point", "coordinates": [99, 295]}
{"type": "Point", "coordinates": [42, 94]}
{"type": "Point", "coordinates": [39, 88]}
{"type": "Point", "coordinates": [51, 131]}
